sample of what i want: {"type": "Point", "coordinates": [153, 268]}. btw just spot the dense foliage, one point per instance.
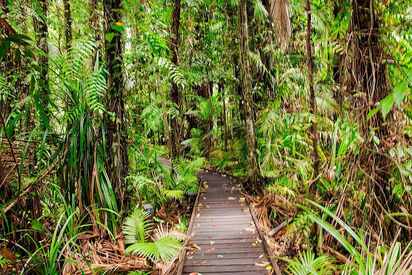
{"type": "Point", "coordinates": [308, 102]}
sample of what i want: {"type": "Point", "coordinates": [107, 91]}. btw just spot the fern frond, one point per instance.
{"type": "Point", "coordinates": [95, 89]}
{"type": "Point", "coordinates": [5, 90]}
{"type": "Point", "coordinates": [172, 194]}
{"type": "Point", "coordinates": [174, 72]}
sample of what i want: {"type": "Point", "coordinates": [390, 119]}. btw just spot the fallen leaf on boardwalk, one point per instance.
{"type": "Point", "coordinates": [212, 242]}
{"type": "Point", "coordinates": [242, 200]}
{"type": "Point", "coordinates": [220, 256]}
{"type": "Point", "coordinates": [262, 264]}
{"type": "Point", "coordinates": [251, 230]}
{"type": "Point", "coordinates": [231, 198]}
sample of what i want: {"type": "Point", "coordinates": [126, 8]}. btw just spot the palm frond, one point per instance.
{"type": "Point", "coordinates": [136, 226]}
{"type": "Point", "coordinates": [165, 246]}
{"type": "Point", "coordinates": [279, 12]}
{"type": "Point", "coordinates": [307, 264]}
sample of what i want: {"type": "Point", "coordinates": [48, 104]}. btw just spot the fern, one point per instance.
{"type": "Point", "coordinates": [95, 89]}
{"type": "Point", "coordinates": [173, 71]}
{"type": "Point", "coordinates": [173, 194]}
{"type": "Point", "coordinates": [5, 91]}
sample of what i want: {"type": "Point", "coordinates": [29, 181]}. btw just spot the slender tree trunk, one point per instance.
{"type": "Point", "coordinates": [312, 96]}
{"type": "Point", "coordinates": [94, 25]}
{"type": "Point", "coordinates": [246, 85]}
{"type": "Point", "coordinates": [6, 64]}
{"type": "Point", "coordinates": [3, 7]}
{"type": "Point", "coordinates": [116, 127]}
{"type": "Point", "coordinates": [338, 8]}
{"type": "Point", "coordinates": [67, 24]}
{"type": "Point", "coordinates": [224, 116]}
{"type": "Point", "coordinates": [41, 29]}
{"type": "Point", "coordinates": [174, 91]}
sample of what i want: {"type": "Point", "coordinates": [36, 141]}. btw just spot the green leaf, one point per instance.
{"type": "Point", "coordinates": [20, 39]}
{"type": "Point", "coordinates": [372, 113]}
{"type": "Point", "coordinates": [400, 92]}
{"type": "Point", "coordinates": [386, 105]}
{"type": "Point", "coordinates": [109, 36]}
{"type": "Point", "coordinates": [4, 47]}
{"type": "Point", "coordinates": [36, 225]}
{"type": "Point", "coordinates": [118, 27]}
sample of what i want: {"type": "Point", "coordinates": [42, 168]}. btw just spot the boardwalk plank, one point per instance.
{"type": "Point", "coordinates": [224, 231]}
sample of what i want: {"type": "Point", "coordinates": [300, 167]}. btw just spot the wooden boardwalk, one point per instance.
{"type": "Point", "coordinates": [224, 232]}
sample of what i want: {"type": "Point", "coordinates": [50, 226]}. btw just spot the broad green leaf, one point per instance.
{"type": "Point", "coordinates": [400, 92]}
{"type": "Point", "coordinates": [386, 105]}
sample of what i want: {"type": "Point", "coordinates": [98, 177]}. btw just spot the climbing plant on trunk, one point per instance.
{"type": "Point", "coordinates": [67, 24]}
{"type": "Point", "coordinates": [42, 92]}
{"type": "Point", "coordinates": [174, 138]}
{"type": "Point", "coordinates": [246, 86]}
{"type": "Point", "coordinates": [117, 140]}
{"type": "Point", "coordinates": [365, 79]}
{"type": "Point", "coordinates": [312, 96]}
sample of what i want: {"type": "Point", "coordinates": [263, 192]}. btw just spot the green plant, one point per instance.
{"type": "Point", "coordinates": [309, 264]}
{"type": "Point", "coordinates": [164, 245]}
{"type": "Point", "coordinates": [3, 262]}
{"type": "Point", "coordinates": [51, 254]}
{"type": "Point", "coordinates": [364, 261]}
{"type": "Point", "coordinates": [186, 175]}
{"type": "Point", "coordinates": [136, 226]}
{"type": "Point", "coordinates": [138, 273]}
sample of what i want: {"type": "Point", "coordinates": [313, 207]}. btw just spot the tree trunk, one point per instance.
{"type": "Point", "coordinates": [367, 85]}
{"type": "Point", "coordinates": [312, 97]}
{"type": "Point", "coordinates": [42, 93]}
{"type": "Point", "coordinates": [338, 8]}
{"type": "Point", "coordinates": [224, 116]}
{"type": "Point", "coordinates": [246, 85]}
{"type": "Point", "coordinates": [174, 91]}
{"type": "Point", "coordinates": [94, 25]}
{"type": "Point", "coordinates": [3, 7]}
{"type": "Point", "coordinates": [67, 24]}
{"type": "Point", "coordinates": [117, 162]}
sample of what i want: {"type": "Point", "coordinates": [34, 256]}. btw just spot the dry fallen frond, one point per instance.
{"type": "Point", "coordinates": [279, 13]}
{"type": "Point", "coordinates": [102, 255]}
